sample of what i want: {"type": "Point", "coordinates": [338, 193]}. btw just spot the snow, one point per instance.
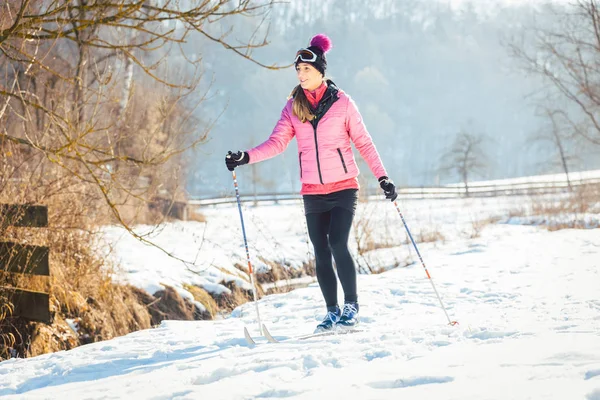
{"type": "Point", "coordinates": [591, 175]}
{"type": "Point", "coordinates": [278, 233]}
{"type": "Point", "coordinates": [526, 300]}
{"type": "Point", "coordinates": [74, 325]}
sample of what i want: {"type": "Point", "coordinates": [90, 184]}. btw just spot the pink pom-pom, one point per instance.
{"type": "Point", "coordinates": [321, 41]}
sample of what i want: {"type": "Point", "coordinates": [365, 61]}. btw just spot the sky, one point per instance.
{"type": "Point", "coordinates": [525, 299]}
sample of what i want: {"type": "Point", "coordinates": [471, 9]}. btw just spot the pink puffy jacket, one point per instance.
{"type": "Point", "coordinates": [325, 153]}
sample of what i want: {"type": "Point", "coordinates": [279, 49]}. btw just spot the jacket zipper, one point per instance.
{"type": "Point", "coordinates": [300, 160]}
{"type": "Point", "coordinates": [317, 150]}
{"type": "Point", "coordinates": [342, 158]}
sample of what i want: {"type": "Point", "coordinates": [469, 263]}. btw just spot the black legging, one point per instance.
{"type": "Point", "coordinates": [329, 233]}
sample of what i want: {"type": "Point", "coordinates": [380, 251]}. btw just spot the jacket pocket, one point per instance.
{"type": "Point", "coordinates": [342, 159]}
{"type": "Point", "coordinates": [300, 161]}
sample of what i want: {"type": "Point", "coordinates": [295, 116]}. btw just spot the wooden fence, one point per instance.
{"type": "Point", "coordinates": [441, 192]}
{"type": "Point", "coordinates": [18, 258]}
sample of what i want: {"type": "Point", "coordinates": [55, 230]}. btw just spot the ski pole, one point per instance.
{"type": "Point", "coordinates": [250, 270]}
{"type": "Point", "coordinates": [450, 322]}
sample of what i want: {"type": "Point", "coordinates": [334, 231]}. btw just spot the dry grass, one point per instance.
{"type": "Point", "coordinates": [367, 240]}
{"type": "Point", "coordinates": [284, 275]}
{"type": "Point", "coordinates": [94, 153]}
{"type": "Point", "coordinates": [429, 236]}
{"type": "Point", "coordinates": [310, 267]}
{"type": "Point", "coordinates": [80, 287]}
{"type": "Point", "coordinates": [7, 339]}
{"type": "Point", "coordinates": [227, 302]}
{"type": "Point", "coordinates": [477, 226]}
{"type": "Point", "coordinates": [365, 237]}
{"type": "Point", "coordinates": [576, 210]}
{"type": "Point", "coordinates": [517, 212]}
{"type": "Point", "coordinates": [204, 298]}
{"type": "Point", "coordinates": [278, 272]}
{"type": "Point", "coordinates": [195, 215]}
{"type": "Point", "coordinates": [52, 338]}
{"type": "Point", "coordinates": [398, 263]}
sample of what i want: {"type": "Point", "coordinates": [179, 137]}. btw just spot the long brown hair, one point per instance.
{"type": "Point", "coordinates": [301, 106]}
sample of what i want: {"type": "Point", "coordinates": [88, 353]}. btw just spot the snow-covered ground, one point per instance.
{"type": "Point", "coordinates": [526, 300]}
{"type": "Point", "coordinates": [277, 233]}
{"type": "Point", "coordinates": [556, 178]}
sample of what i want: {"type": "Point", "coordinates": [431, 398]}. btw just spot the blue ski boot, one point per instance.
{"type": "Point", "coordinates": [330, 320]}
{"type": "Point", "coordinates": [349, 316]}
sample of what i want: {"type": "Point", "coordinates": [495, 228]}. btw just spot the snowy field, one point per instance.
{"type": "Point", "coordinates": [278, 233]}
{"type": "Point", "coordinates": [526, 300]}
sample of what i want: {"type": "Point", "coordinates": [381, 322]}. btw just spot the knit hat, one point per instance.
{"type": "Point", "coordinates": [319, 45]}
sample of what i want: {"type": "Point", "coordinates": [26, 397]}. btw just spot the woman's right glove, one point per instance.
{"type": "Point", "coordinates": [233, 160]}
{"type": "Point", "coordinates": [388, 188]}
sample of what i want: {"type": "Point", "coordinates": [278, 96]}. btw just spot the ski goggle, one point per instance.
{"type": "Point", "coordinates": [305, 55]}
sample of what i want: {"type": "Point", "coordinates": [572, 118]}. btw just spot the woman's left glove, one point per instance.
{"type": "Point", "coordinates": [388, 188]}
{"type": "Point", "coordinates": [233, 160]}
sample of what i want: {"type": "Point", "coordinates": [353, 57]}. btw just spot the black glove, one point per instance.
{"type": "Point", "coordinates": [233, 160]}
{"type": "Point", "coordinates": [388, 188]}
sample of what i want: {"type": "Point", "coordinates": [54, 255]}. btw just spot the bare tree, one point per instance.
{"type": "Point", "coordinates": [465, 157]}
{"type": "Point", "coordinates": [560, 137]}
{"type": "Point", "coordinates": [88, 91]}
{"type": "Point", "coordinates": [98, 105]}
{"type": "Point", "coordinates": [566, 55]}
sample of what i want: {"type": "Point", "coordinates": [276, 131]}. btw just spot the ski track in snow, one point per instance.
{"type": "Point", "coordinates": [529, 328]}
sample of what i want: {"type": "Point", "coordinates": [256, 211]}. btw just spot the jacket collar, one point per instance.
{"type": "Point", "coordinates": [332, 89]}
{"type": "Point", "coordinates": [330, 97]}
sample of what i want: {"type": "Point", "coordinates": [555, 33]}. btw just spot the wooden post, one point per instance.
{"type": "Point", "coordinates": [17, 258]}
{"type": "Point", "coordinates": [21, 215]}
{"type": "Point", "coordinates": [28, 304]}
{"type": "Point", "coordinates": [24, 259]}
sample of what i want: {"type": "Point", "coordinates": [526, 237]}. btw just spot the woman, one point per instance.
{"type": "Point", "coordinates": [324, 120]}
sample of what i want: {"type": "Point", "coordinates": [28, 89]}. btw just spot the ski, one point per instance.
{"type": "Point", "coordinates": [268, 335]}
{"type": "Point", "coordinates": [270, 339]}
{"type": "Point", "coordinates": [249, 339]}
{"type": "Point", "coordinates": [334, 332]}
